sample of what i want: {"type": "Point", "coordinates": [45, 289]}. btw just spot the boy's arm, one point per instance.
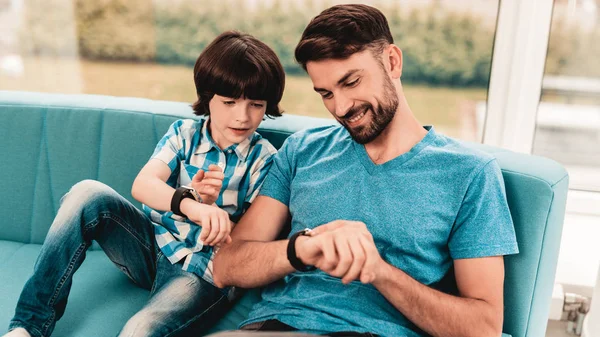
{"type": "Point", "coordinates": [150, 188]}
{"type": "Point", "coordinates": [253, 259]}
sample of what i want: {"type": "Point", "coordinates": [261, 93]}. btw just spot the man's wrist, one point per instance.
{"type": "Point", "coordinates": [298, 242]}
{"type": "Point", "coordinates": [384, 273]}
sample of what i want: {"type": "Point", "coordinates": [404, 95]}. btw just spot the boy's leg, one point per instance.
{"type": "Point", "coordinates": [89, 211]}
{"type": "Point", "coordinates": [181, 304]}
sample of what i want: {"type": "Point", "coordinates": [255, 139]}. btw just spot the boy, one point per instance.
{"type": "Point", "coordinates": [168, 248]}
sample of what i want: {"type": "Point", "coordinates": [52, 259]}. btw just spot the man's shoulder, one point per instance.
{"type": "Point", "coordinates": [319, 135]}
{"type": "Point", "coordinates": [449, 152]}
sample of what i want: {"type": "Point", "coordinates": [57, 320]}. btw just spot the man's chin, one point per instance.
{"type": "Point", "coordinates": [362, 136]}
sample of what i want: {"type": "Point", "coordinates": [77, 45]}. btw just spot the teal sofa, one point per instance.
{"type": "Point", "coordinates": [50, 142]}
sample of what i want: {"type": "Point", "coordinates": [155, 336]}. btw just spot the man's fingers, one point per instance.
{"type": "Point", "coordinates": [344, 257]}
{"type": "Point", "coordinates": [329, 257]}
{"type": "Point", "coordinates": [367, 274]}
{"type": "Point", "coordinates": [327, 227]}
{"type": "Point", "coordinates": [358, 260]}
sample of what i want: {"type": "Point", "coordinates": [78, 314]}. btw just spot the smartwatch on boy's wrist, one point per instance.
{"type": "Point", "coordinates": [291, 252]}
{"type": "Point", "coordinates": [181, 193]}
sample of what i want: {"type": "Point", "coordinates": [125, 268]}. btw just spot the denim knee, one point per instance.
{"type": "Point", "coordinates": [84, 200]}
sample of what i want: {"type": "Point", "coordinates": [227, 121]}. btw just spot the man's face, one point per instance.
{"type": "Point", "coordinates": [358, 92]}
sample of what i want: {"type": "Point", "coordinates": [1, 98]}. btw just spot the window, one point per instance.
{"type": "Point", "coordinates": [147, 48]}
{"type": "Point", "coordinates": [568, 117]}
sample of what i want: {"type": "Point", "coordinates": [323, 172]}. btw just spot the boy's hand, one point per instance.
{"type": "Point", "coordinates": [215, 222]}
{"type": "Point", "coordinates": [208, 184]}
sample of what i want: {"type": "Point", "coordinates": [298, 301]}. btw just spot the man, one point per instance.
{"type": "Point", "coordinates": [396, 210]}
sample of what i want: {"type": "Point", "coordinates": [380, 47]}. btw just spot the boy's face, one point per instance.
{"type": "Point", "coordinates": [358, 92]}
{"type": "Point", "coordinates": [232, 120]}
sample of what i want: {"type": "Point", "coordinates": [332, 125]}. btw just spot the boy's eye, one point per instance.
{"type": "Point", "coordinates": [229, 102]}
{"type": "Point", "coordinates": [258, 105]}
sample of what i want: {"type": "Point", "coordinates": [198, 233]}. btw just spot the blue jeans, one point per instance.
{"type": "Point", "coordinates": [94, 211]}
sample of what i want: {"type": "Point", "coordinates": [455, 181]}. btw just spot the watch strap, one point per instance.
{"type": "Point", "coordinates": [291, 252]}
{"type": "Point", "coordinates": [180, 194]}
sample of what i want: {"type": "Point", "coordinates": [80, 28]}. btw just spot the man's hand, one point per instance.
{"type": "Point", "coordinates": [215, 222]}
{"type": "Point", "coordinates": [343, 249]}
{"type": "Point", "coordinates": [208, 184]}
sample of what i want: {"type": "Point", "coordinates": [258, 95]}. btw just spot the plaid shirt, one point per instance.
{"type": "Point", "coordinates": [186, 148]}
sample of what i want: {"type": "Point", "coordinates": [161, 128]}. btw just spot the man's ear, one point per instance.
{"type": "Point", "coordinates": [394, 55]}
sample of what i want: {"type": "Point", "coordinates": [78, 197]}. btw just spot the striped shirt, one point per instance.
{"type": "Point", "coordinates": [188, 147]}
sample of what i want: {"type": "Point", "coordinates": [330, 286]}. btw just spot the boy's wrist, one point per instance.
{"type": "Point", "coordinates": [186, 205]}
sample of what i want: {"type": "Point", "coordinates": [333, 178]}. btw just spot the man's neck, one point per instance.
{"type": "Point", "coordinates": [401, 135]}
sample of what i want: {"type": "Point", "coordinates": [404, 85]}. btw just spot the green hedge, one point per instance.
{"type": "Point", "coordinates": [439, 48]}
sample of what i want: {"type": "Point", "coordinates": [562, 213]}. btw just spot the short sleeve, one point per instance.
{"type": "Point", "coordinates": [277, 183]}
{"type": "Point", "coordinates": [259, 173]}
{"type": "Point", "coordinates": [170, 148]}
{"type": "Point", "coordinates": [483, 226]}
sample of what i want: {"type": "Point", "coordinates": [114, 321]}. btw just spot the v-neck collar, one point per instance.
{"type": "Point", "coordinates": [373, 168]}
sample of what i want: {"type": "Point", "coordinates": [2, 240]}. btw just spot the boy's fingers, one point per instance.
{"type": "Point", "coordinates": [214, 175]}
{"type": "Point", "coordinates": [212, 183]}
{"type": "Point", "coordinates": [214, 168]}
{"type": "Point", "coordinates": [198, 176]}
{"type": "Point", "coordinates": [205, 223]}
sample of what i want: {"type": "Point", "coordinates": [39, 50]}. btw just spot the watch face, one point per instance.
{"type": "Point", "coordinates": [192, 193]}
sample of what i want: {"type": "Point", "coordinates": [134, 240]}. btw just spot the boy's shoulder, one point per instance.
{"type": "Point", "coordinates": [189, 125]}
{"type": "Point", "coordinates": [263, 145]}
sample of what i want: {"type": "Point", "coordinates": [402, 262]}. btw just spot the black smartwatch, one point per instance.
{"type": "Point", "coordinates": [180, 194]}
{"type": "Point", "coordinates": [291, 252]}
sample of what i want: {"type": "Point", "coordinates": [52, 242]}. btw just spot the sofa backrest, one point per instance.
{"type": "Point", "coordinates": [53, 141]}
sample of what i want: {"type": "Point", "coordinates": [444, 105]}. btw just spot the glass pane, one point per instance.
{"type": "Point", "coordinates": [147, 48]}
{"type": "Point", "coordinates": [568, 118]}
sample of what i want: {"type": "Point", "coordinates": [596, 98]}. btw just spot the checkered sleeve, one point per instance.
{"type": "Point", "coordinates": [259, 170]}
{"type": "Point", "coordinates": [170, 149]}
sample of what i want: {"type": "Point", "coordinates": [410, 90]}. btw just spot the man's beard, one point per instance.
{"type": "Point", "coordinates": [380, 119]}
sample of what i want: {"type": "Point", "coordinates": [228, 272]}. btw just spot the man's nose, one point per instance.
{"type": "Point", "coordinates": [342, 104]}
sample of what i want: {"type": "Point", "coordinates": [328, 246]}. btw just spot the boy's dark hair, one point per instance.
{"type": "Point", "coordinates": [238, 65]}
{"type": "Point", "coordinates": [342, 30]}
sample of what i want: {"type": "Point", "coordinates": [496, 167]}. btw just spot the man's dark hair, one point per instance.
{"type": "Point", "coordinates": [340, 31]}
{"type": "Point", "coordinates": [238, 65]}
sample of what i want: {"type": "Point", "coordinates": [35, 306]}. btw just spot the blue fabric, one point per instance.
{"type": "Point", "coordinates": [44, 131]}
{"type": "Point", "coordinates": [436, 203]}
{"type": "Point", "coordinates": [186, 148]}
{"type": "Point", "coordinates": [94, 211]}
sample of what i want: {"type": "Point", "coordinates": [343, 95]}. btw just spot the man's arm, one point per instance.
{"type": "Point", "coordinates": [477, 312]}
{"type": "Point", "coordinates": [253, 259]}
{"type": "Point", "coordinates": [346, 249]}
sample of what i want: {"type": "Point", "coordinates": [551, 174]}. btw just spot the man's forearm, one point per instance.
{"type": "Point", "coordinates": [251, 264]}
{"type": "Point", "coordinates": [437, 313]}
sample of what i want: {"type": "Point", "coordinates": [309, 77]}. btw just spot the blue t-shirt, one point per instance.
{"type": "Point", "coordinates": [438, 202]}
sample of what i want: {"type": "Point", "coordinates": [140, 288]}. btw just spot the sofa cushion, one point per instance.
{"type": "Point", "coordinates": [100, 293]}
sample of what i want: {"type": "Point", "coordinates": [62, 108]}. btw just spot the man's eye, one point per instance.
{"type": "Point", "coordinates": [353, 83]}
{"type": "Point", "coordinates": [327, 95]}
